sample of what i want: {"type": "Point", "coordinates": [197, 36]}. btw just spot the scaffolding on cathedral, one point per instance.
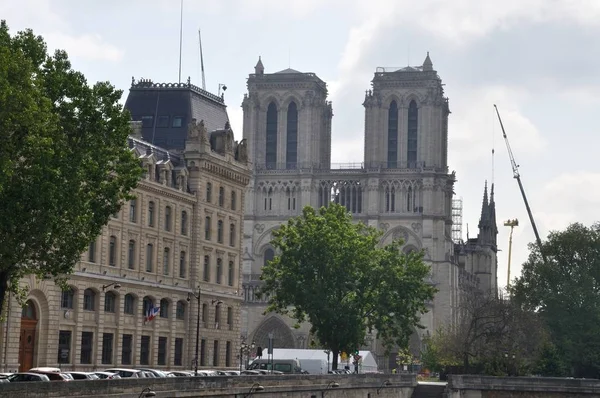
{"type": "Point", "coordinates": [457, 214]}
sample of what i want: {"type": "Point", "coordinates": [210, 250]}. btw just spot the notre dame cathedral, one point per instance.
{"type": "Point", "coordinates": [403, 186]}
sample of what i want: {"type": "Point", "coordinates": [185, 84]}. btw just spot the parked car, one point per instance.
{"type": "Point", "coordinates": [181, 373]}
{"type": "Point", "coordinates": [54, 374]}
{"type": "Point", "coordinates": [107, 375]}
{"type": "Point", "coordinates": [155, 372]}
{"type": "Point", "coordinates": [124, 372]}
{"type": "Point", "coordinates": [26, 376]}
{"type": "Point", "coordinates": [83, 376]}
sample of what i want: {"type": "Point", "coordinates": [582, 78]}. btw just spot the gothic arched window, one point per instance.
{"type": "Point", "coordinates": [413, 120]}
{"type": "Point", "coordinates": [291, 153]}
{"type": "Point", "coordinates": [271, 141]}
{"type": "Point", "coordinates": [392, 141]}
{"type": "Point", "coordinates": [268, 256]}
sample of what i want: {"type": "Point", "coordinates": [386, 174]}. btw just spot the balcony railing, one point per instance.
{"type": "Point", "coordinates": [310, 166]}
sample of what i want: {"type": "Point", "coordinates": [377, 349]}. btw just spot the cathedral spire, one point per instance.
{"type": "Point", "coordinates": [492, 210]}
{"type": "Point", "coordinates": [427, 64]}
{"type": "Point", "coordinates": [484, 206]}
{"type": "Point", "coordinates": [259, 69]}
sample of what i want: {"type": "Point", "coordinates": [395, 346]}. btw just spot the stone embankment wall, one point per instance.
{"type": "Point", "coordinates": [300, 386]}
{"type": "Point", "coordinates": [471, 386]}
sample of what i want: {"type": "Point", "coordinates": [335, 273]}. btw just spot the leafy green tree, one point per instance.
{"type": "Point", "coordinates": [64, 162]}
{"type": "Point", "coordinates": [565, 292]}
{"type": "Point", "coordinates": [332, 272]}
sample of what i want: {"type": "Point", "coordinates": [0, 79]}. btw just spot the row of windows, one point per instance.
{"type": "Point", "coordinates": [208, 231]}
{"type": "Point", "coordinates": [90, 303]}
{"type": "Point", "coordinates": [219, 271]}
{"type": "Point", "coordinates": [65, 342]}
{"type": "Point", "coordinates": [132, 256]}
{"type": "Point", "coordinates": [129, 306]}
{"type": "Point", "coordinates": [221, 199]}
{"type": "Point", "coordinates": [291, 152]}
{"type": "Point", "coordinates": [412, 124]}
{"type": "Point", "coordinates": [162, 121]}
{"type": "Point", "coordinates": [152, 214]}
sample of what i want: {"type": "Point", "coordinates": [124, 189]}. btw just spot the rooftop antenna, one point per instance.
{"type": "Point", "coordinates": [201, 61]}
{"type": "Point", "coordinates": [180, 38]}
{"type": "Point", "coordinates": [289, 58]}
{"type": "Point", "coordinates": [408, 55]}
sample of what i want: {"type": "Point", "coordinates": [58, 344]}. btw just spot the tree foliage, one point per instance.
{"type": "Point", "coordinates": [492, 335]}
{"type": "Point", "coordinates": [565, 292]}
{"type": "Point", "coordinates": [332, 272]}
{"type": "Point", "coordinates": [64, 162]}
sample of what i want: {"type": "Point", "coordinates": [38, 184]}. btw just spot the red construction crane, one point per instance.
{"type": "Point", "coordinates": [517, 176]}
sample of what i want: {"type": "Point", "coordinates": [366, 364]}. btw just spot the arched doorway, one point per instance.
{"type": "Point", "coordinates": [282, 335]}
{"type": "Point", "coordinates": [27, 338]}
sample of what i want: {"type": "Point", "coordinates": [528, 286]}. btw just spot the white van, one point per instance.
{"type": "Point", "coordinates": [287, 366]}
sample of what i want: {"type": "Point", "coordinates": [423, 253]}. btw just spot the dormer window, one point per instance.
{"type": "Point", "coordinates": [147, 121]}
{"type": "Point", "coordinates": [177, 121]}
{"type": "Point", "coordinates": [163, 121]}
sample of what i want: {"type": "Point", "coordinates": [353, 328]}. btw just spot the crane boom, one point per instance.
{"type": "Point", "coordinates": [517, 176]}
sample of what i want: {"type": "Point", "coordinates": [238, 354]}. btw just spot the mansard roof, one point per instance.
{"type": "Point", "coordinates": [166, 109]}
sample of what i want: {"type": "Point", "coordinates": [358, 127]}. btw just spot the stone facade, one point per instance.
{"type": "Point", "coordinates": [403, 186]}
{"type": "Point", "coordinates": [182, 233]}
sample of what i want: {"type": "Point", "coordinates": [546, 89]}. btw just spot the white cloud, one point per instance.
{"type": "Point", "coordinates": [346, 151]}
{"type": "Point", "coordinates": [88, 47]}
{"type": "Point", "coordinates": [571, 197]}
{"type": "Point", "coordinates": [475, 128]}
{"type": "Point", "coordinates": [249, 9]}
{"type": "Point", "coordinates": [46, 17]}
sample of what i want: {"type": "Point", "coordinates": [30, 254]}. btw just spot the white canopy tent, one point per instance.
{"type": "Point", "coordinates": [367, 363]}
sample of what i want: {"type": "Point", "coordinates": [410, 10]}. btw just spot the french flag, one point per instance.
{"type": "Point", "coordinates": [152, 313]}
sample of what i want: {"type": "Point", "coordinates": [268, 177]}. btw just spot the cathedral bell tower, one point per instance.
{"type": "Point", "coordinates": [287, 120]}
{"type": "Point", "coordinates": [406, 119]}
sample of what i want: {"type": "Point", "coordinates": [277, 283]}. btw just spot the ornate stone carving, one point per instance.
{"type": "Point", "coordinates": [427, 255]}
{"type": "Point", "coordinates": [229, 140]}
{"type": "Point", "coordinates": [384, 226]}
{"type": "Point", "coordinates": [416, 227]}
{"type": "Point", "coordinates": [241, 151]}
{"type": "Point", "coordinates": [260, 228]}
{"type": "Point", "coordinates": [400, 234]}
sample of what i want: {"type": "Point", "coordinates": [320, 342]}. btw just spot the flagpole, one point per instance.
{"type": "Point", "coordinates": [180, 38]}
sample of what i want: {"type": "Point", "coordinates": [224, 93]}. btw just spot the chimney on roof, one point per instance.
{"type": "Point", "coordinates": [259, 69]}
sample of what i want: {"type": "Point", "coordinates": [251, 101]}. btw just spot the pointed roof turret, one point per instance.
{"type": "Point", "coordinates": [427, 64]}
{"type": "Point", "coordinates": [492, 211]}
{"type": "Point", "coordinates": [484, 207]}
{"type": "Point", "coordinates": [259, 69]}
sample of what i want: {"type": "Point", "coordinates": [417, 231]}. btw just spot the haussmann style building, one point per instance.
{"type": "Point", "coordinates": [182, 231]}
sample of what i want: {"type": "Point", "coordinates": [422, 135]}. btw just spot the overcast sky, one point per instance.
{"type": "Point", "coordinates": [538, 60]}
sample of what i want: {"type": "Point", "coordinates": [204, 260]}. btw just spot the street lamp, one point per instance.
{"type": "Point", "coordinates": [331, 385]}
{"type": "Point", "coordinates": [383, 385]}
{"type": "Point", "coordinates": [147, 392]}
{"type": "Point", "coordinates": [255, 388]}
{"type": "Point", "coordinates": [245, 349]}
{"type": "Point", "coordinates": [189, 298]}
{"type": "Point", "coordinates": [115, 285]}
